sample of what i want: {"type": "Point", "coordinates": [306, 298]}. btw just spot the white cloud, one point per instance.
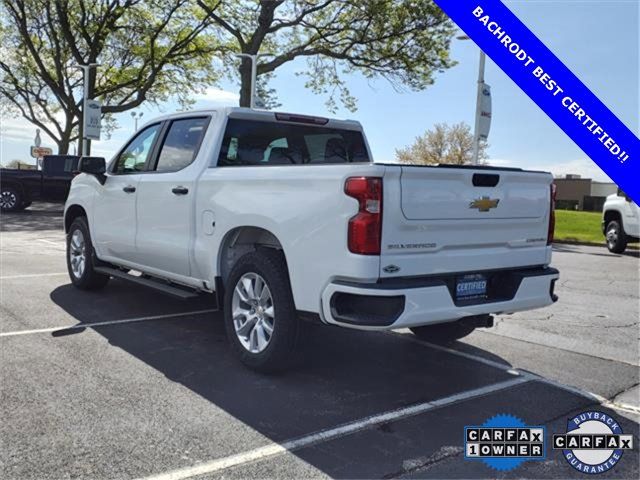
{"type": "Point", "coordinates": [218, 96]}
{"type": "Point", "coordinates": [20, 130]}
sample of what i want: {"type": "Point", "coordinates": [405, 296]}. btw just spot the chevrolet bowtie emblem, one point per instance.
{"type": "Point", "coordinates": [484, 204]}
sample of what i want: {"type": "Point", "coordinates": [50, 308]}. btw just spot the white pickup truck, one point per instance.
{"type": "Point", "coordinates": [285, 218]}
{"type": "Point", "coordinates": [620, 221]}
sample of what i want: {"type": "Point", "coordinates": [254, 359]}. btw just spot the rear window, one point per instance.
{"type": "Point", "coordinates": [250, 142]}
{"type": "Point", "coordinates": [60, 164]}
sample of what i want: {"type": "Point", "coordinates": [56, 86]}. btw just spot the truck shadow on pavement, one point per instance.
{"type": "Point", "coordinates": [340, 376]}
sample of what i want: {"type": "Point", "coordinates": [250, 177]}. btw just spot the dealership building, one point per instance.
{"type": "Point", "coordinates": [576, 193]}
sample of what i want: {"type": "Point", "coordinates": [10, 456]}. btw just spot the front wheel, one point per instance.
{"type": "Point", "coordinates": [80, 257]}
{"type": "Point", "coordinates": [259, 312]}
{"type": "Point", "coordinates": [443, 333]}
{"type": "Point", "coordinates": [616, 238]}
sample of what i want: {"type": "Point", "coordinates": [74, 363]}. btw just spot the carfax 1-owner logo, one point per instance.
{"type": "Point", "coordinates": [504, 442]}
{"type": "Point", "coordinates": [594, 442]}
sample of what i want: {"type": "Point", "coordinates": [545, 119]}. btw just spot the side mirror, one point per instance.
{"type": "Point", "coordinates": [622, 194]}
{"type": "Point", "coordinates": [95, 166]}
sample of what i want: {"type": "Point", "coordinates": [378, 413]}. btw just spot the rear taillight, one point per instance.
{"type": "Point", "coordinates": [552, 213]}
{"type": "Point", "coordinates": [365, 228]}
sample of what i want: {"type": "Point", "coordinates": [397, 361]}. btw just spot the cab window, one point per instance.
{"type": "Point", "coordinates": [181, 144]}
{"type": "Point", "coordinates": [134, 157]}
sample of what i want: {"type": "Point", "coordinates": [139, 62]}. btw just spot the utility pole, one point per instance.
{"type": "Point", "coordinates": [89, 76]}
{"type": "Point", "coordinates": [476, 130]}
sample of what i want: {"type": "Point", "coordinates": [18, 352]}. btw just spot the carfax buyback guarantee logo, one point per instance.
{"type": "Point", "coordinates": [503, 442]}
{"type": "Point", "coordinates": [594, 442]}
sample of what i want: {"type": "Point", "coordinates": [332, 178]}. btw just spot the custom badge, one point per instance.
{"type": "Point", "coordinates": [504, 442]}
{"type": "Point", "coordinates": [594, 442]}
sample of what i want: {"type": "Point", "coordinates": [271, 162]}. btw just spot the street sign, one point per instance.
{"type": "Point", "coordinates": [37, 152]}
{"type": "Point", "coordinates": [485, 111]}
{"type": "Point", "coordinates": [92, 119]}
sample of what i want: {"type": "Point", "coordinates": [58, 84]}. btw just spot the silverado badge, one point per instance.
{"type": "Point", "coordinates": [484, 204]}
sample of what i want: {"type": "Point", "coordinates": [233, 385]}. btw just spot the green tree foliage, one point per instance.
{"type": "Point", "coordinates": [444, 144]}
{"type": "Point", "coordinates": [148, 50]}
{"type": "Point", "coordinates": [403, 41]}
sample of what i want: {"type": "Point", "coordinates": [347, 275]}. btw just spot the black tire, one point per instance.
{"type": "Point", "coordinates": [11, 199]}
{"type": "Point", "coordinates": [443, 333]}
{"type": "Point", "coordinates": [270, 265]}
{"type": "Point", "coordinates": [616, 238]}
{"type": "Point", "coordinates": [88, 279]}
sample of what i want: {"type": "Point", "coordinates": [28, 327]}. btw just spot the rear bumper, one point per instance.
{"type": "Point", "coordinates": [411, 302]}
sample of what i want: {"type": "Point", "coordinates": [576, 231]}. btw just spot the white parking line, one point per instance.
{"type": "Point", "coordinates": [31, 275]}
{"type": "Point", "coordinates": [101, 324]}
{"type": "Point", "coordinates": [569, 388]}
{"type": "Point", "coordinates": [330, 434]}
{"type": "Point", "coordinates": [57, 244]}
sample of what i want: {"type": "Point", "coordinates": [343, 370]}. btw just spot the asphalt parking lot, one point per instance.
{"type": "Point", "coordinates": [129, 383]}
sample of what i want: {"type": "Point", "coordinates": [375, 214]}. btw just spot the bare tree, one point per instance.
{"type": "Point", "coordinates": [443, 144]}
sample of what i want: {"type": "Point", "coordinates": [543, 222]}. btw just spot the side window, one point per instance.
{"type": "Point", "coordinates": [181, 144]}
{"type": "Point", "coordinates": [133, 158]}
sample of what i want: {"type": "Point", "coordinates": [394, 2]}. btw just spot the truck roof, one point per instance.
{"type": "Point", "coordinates": [267, 116]}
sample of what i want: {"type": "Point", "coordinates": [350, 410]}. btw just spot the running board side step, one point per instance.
{"type": "Point", "coordinates": [157, 284]}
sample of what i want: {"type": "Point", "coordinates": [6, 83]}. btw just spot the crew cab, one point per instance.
{"type": "Point", "coordinates": [20, 187]}
{"type": "Point", "coordinates": [620, 221]}
{"type": "Point", "coordinates": [285, 218]}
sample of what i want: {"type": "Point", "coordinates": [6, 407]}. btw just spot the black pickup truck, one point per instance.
{"type": "Point", "coordinates": [18, 188]}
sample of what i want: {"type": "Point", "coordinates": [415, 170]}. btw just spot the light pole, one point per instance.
{"type": "Point", "coordinates": [253, 58]}
{"type": "Point", "coordinates": [136, 117]}
{"type": "Point", "coordinates": [476, 130]}
{"type": "Point", "coordinates": [84, 146]}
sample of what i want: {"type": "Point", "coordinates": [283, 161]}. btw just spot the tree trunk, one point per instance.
{"type": "Point", "coordinates": [245, 83]}
{"type": "Point", "coordinates": [63, 145]}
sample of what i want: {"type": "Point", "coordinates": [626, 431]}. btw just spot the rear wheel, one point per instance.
{"type": "Point", "coordinates": [259, 313]}
{"type": "Point", "coordinates": [616, 238]}
{"type": "Point", "coordinates": [443, 333]}
{"type": "Point", "coordinates": [10, 199]}
{"type": "Point", "coordinates": [80, 257]}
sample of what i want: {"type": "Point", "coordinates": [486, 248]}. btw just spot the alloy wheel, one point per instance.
{"type": "Point", "coordinates": [77, 253]}
{"type": "Point", "coordinates": [253, 312]}
{"type": "Point", "coordinates": [8, 200]}
{"type": "Point", "coordinates": [612, 236]}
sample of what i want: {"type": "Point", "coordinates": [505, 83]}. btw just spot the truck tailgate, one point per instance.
{"type": "Point", "coordinates": [446, 219]}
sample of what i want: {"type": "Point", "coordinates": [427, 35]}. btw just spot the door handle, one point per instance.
{"type": "Point", "coordinates": [129, 189]}
{"type": "Point", "coordinates": [180, 190]}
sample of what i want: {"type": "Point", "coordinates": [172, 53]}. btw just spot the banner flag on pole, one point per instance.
{"type": "Point", "coordinates": [552, 86]}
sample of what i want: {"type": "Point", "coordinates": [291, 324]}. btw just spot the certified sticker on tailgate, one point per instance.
{"type": "Point", "coordinates": [471, 286]}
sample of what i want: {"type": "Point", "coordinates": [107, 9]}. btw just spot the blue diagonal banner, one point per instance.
{"type": "Point", "coordinates": [552, 86]}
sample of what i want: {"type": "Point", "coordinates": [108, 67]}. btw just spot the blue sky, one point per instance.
{"type": "Point", "coordinates": [598, 40]}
